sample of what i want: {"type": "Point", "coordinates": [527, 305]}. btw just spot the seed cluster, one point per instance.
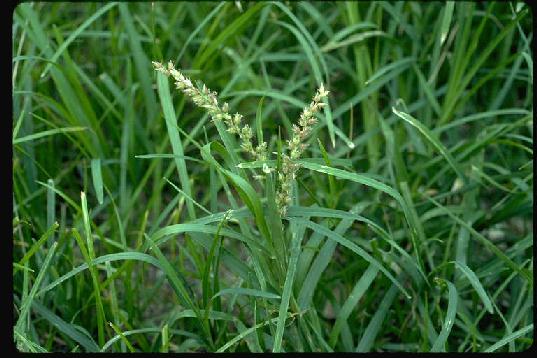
{"type": "Point", "coordinates": [207, 99]}
{"type": "Point", "coordinates": [297, 146]}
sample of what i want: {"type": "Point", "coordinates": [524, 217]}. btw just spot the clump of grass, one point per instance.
{"type": "Point", "coordinates": [145, 223]}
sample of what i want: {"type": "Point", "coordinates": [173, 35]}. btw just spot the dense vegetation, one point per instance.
{"type": "Point", "coordinates": [392, 213]}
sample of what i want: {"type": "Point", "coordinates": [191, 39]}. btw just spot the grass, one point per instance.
{"type": "Point", "coordinates": [141, 222]}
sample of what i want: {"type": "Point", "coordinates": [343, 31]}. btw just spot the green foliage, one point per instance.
{"type": "Point", "coordinates": [142, 223]}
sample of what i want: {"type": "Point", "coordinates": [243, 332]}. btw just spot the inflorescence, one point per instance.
{"type": "Point", "coordinates": [207, 99]}
{"type": "Point", "coordinates": [297, 146]}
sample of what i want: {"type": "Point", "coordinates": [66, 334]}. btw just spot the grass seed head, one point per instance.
{"type": "Point", "coordinates": [297, 146]}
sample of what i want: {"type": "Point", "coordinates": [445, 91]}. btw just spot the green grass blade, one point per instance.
{"type": "Point", "coordinates": [170, 156]}
{"type": "Point", "coordinates": [434, 141]}
{"type": "Point", "coordinates": [75, 34]}
{"type": "Point", "coordinates": [47, 133]}
{"type": "Point", "coordinates": [209, 16]}
{"type": "Point", "coordinates": [177, 285]}
{"type": "Point", "coordinates": [357, 292]}
{"type": "Point", "coordinates": [136, 256]}
{"type": "Point", "coordinates": [356, 249]}
{"type": "Point", "coordinates": [101, 319]}
{"type": "Point", "coordinates": [36, 246]}
{"type": "Point", "coordinates": [361, 179]}
{"type": "Point", "coordinates": [474, 281]}
{"type": "Point", "coordinates": [393, 68]}
{"type": "Point", "coordinates": [332, 213]}
{"type": "Point", "coordinates": [259, 120]}
{"type": "Point", "coordinates": [233, 29]}
{"type": "Point", "coordinates": [123, 338]}
{"type": "Point", "coordinates": [287, 291]}
{"type": "Point", "coordinates": [322, 260]}
{"type": "Point", "coordinates": [373, 328]}
{"type": "Point", "coordinates": [505, 340]}
{"type": "Point", "coordinates": [485, 242]}
{"type": "Point", "coordinates": [352, 40]}
{"type": "Point", "coordinates": [247, 332]}
{"type": "Point", "coordinates": [177, 146]}
{"type": "Point", "coordinates": [27, 303]}
{"type": "Point", "coordinates": [358, 178]}
{"type": "Point", "coordinates": [142, 63]}
{"type": "Point", "coordinates": [66, 328]}
{"type": "Point", "coordinates": [97, 179]}
{"type": "Point", "coordinates": [190, 199]}
{"type": "Point", "coordinates": [246, 292]}
{"type": "Point", "coordinates": [446, 20]}
{"type": "Point", "coordinates": [439, 344]}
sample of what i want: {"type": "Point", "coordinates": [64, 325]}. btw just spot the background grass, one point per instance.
{"type": "Point", "coordinates": [419, 180]}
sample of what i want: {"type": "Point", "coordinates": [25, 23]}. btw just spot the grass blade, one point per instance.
{"type": "Point", "coordinates": [75, 34]}
{"type": "Point", "coordinates": [434, 141]}
{"type": "Point", "coordinates": [38, 244]}
{"type": "Point", "coordinates": [373, 328]}
{"type": "Point", "coordinates": [502, 342]}
{"type": "Point", "coordinates": [439, 344]}
{"type": "Point", "coordinates": [97, 179]}
{"type": "Point", "coordinates": [474, 281]}
{"type": "Point", "coordinates": [177, 145]}
{"type": "Point", "coordinates": [120, 256]}
{"type": "Point", "coordinates": [357, 292]}
{"type": "Point", "coordinates": [246, 292]}
{"type": "Point", "coordinates": [287, 291]}
{"type": "Point", "coordinates": [101, 319]}
{"type": "Point", "coordinates": [356, 249]}
{"type": "Point", "coordinates": [66, 328]}
{"type": "Point", "coordinates": [446, 20]}
{"type": "Point", "coordinates": [47, 133]}
{"type": "Point", "coordinates": [485, 242]}
{"type": "Point", "coordinates": [20, 326]}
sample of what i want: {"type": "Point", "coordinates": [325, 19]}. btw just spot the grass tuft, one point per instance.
{"type": "Point", "coordinates": [312, 177]}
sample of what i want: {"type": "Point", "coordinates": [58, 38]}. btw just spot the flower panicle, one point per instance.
{"type": "Point", "coordinates": [203, 97]}
{"type": "Point", "coordinates": [208, 99]}
{"type": "Point", "coordinates": [306, 122]}
{"type": "Point", "coordinates": [297, 146]}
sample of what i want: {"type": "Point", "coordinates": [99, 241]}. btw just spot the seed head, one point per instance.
{"type": "Point", "coordinates": [297, 146]}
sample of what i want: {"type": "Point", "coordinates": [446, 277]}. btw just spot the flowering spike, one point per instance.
{"type": "Point", "coordinates": [208, 99]}
{"type": "Point", "coordinates": [297, 146]}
